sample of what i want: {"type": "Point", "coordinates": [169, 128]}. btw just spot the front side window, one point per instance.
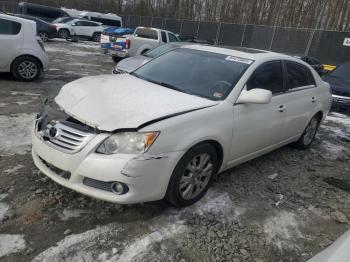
{"type": "Point", "coordinates": [195, 72]}
{"type": "Point", "coordinates": [172, 38]}
{"type": "Point", "coordinates": [9, 27]}
{"type": "Point", "coordinates": [268, 76]}
{"type": "Point", "coordinates": [298, 76]}
{"type": "Point", "coordinates": [146, 33]}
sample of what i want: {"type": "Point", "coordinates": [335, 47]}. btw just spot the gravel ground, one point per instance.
{"type": "Point", "coordinates": [285, 206]}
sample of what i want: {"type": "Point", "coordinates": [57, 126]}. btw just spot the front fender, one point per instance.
{"type": "Point", "coordinates": [180, 133]}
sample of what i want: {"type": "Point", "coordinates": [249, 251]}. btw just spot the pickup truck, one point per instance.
{"type": "Point", "coordinates": [143, 40]}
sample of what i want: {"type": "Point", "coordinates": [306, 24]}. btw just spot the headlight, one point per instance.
{"type": "Point", "coordinates": [127, 143]}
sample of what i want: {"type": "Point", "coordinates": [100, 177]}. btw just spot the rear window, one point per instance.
{"type": "Point", "coordinates": [298, 76]}
{"type": "Point", "coordinates": [105, 21]}
{"type": "Point", "coordinates": [9, 27]}
{"type": "Point", "coordinates": [146, 33]}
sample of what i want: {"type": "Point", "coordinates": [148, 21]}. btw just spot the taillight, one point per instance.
{"type": "Point", "coordinates": [127, 43]}
{"type": "Point", "coordinates": [41, 45]}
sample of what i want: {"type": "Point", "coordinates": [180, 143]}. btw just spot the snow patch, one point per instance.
{"type": "Point", "coordinates": [282, 229]}
{"type": "Point", "coordinates": [3, 104]}
{"type": "Point", "coordinates": [137, 249]}
{"type": "Point", "coordinates": [20, 93]}
{"type": "Point", "coordinates": [83, 64]}
{"type": "Point", "coordinates": [77, 247]}
{"type": "Point", "coordinates": [13, 169]}
{"type": "Point", "coordinates": [3, 207]}
{"type": "Point", "coordinates": [15, 134]}
{"type": "Point", "coordinates": [70, 52]}
{"type": "Point", "coordinates": [11, 244]}
{"type": "Point", "coordinates": [339, 118]}
{"type": "Point", "coordinates": [333, 151]}
{"type": "Point", "coordinates": [72, 213]}
{"type": "Point", "coordinates": [23, 102]}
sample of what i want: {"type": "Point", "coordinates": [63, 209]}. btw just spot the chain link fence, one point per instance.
{"type": "Point", "coordinates": [328, 46]}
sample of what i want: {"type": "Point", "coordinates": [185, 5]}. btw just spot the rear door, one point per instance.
{"type": "Point", "coordinates": [303, 100]}
{"type": "Point", "coordinates": [10, 39]}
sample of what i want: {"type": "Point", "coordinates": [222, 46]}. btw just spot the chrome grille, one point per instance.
{"type": "Point", "coordinates": [64, 138]}
{"type": "Point", "coordinates": [341, 99]}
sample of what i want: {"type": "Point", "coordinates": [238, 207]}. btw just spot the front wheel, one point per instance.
{"type": "Point", "coordinates": [309, 133]}
{"type": "Point", "coordinates": [192, 175]}
{"type": "Point", "coordinates": [63, 33]}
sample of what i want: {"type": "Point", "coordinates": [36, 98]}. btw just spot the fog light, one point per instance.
{"type": "Point", "coordinates": [119, 188]}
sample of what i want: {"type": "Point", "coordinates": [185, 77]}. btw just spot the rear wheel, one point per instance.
{"type": "Point", "coordinates": [192, 175]}
{"type": "Point", "coordinates": [44, 36]}
{"type": "Point", "coordinates": [96, 37]}
{"type": "Point", "coordinates": [309, 133]}
{"type": "Point", "coordinates": [63, 33]}
{"type": "Point", "coordinates": [26, 68]}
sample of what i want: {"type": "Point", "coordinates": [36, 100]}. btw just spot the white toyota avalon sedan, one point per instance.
{"type": "Point", "coordinates": [166, 129]}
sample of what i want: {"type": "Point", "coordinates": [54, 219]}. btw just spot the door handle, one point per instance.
{"type": "Point", "coordinates": [313, 99]}
{"type": "Point", "coordinates": [281, 108]}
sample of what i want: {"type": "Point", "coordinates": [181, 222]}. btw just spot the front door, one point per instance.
{"type": "Point", "coordinates": [258, 127]}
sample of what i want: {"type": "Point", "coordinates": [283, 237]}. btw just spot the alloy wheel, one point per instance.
{"type": "Point", "coordinates": [44, 36]}
{"type": "Point", "coordinates": [27, 70]}
{"type": "Point", "coordinates": [196, 176]}
{"type": "Point", "coordinates": [310, 131]}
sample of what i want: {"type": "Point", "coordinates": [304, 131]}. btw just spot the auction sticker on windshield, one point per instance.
{"type": "Point", "coordinates": [239, 60]}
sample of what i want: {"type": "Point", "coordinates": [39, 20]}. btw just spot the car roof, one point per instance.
{"type": "Point", "coordinates": [16, 18]}
{"type": "Point", "coordinates": [243, 52]}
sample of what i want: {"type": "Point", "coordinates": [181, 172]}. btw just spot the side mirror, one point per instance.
{"type": "Point", "coordinates": [255, 96]}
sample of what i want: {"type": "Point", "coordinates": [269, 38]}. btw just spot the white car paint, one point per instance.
{"type": "Point", "coordinates": [25, 43]}
{"type": "Point", "coordinates": [123, 103]}
{"type": "Point", "coordinates": [75, 28]}
{"type": "Point", "coordinates": [337, 252]}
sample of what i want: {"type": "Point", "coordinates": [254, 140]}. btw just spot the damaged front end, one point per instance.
{"type": "Point", "coordinates": [61, 131]}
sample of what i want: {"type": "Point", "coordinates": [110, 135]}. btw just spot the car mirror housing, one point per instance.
{"type": "Point", "coordinates": [255, 96]}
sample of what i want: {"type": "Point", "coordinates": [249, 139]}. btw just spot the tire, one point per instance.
{"type": "Point", "coordinates": [26, 68]}
{"type": "Point", "coordinates": [63, 33]}
{"type": "Point", "coordinates": [96, 37]}
{"type": "Point", "coordinates": [309, 133]}
{"type": "Point", "coordinates": [184, 186]}
{"type": "Point", "coordinates": [44, 36]}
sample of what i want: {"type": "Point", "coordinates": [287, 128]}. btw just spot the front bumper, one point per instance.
{"type": "Point", "coordinates": [341, 102]}
{"type": "Point", "coordinates": [146, 177]}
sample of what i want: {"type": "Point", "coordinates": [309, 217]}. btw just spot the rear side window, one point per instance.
{"type": "Point", "coordinates": [164, 37]}
{"type": "Point", "coordinates": [298, 76]}
{"type": "Point", "coordinates": [172, 38]}
{"type": "Point", "coordinates": [146, 33]}
{"type": "Point", "coordinates": [9, 27]}
{"type": "Point", "coordinates": [269, 76]}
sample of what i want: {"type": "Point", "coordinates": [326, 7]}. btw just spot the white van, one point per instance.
{"type": "Point", "coordinates": [21, 52]}
{"type": "Point", "coordinates": [105, 19]}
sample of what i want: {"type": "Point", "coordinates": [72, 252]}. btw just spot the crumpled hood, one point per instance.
{"type": "Point", "coordinates": [110, 102]}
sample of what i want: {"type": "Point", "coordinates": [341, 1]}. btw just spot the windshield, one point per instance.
{"type": "Point", "coordinates": [341, 72]}
{"type": "Point", "coordinates": [195, 72]}
{"type": "Point", "coordinates": [158, 51]}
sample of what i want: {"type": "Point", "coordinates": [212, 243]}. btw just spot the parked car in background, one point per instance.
{"type": "Point", "coordinates": [130, 64]}
{"type": "Point", "coordinates": [63, 19]}
{"type": "Point", "coordinates": [143, 40]}
{"type": "Point", "coordinates": [168, 128]}
{"type": "Point", "coordinates": [21, 51]}
{"type": "Point", "coordinates": [104, 19]}
{"type": "Point", "coordinates": [193, 39]}
{"type": "Point", "coordinates": [339, 80]}
{"type": "Point", "coordinates": [44, 29]}
{"type": "Point", "coordinates": [314, 62]}
{"type": "Point", "coordinates": [43, 12]}
{"type": "Point", "coordinates": [81, 28]}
